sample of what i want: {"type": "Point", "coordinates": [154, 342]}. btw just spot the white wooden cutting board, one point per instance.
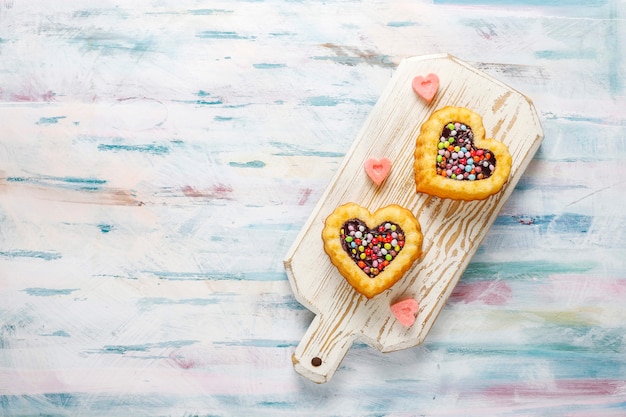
{"type": "Point", "coordinates": [453, 230]}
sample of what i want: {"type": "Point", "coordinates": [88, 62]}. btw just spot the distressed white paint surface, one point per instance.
{"type": "Point", "coordinates": [157, 160]}
{"type": "Point", "coordinates": [453, 230]}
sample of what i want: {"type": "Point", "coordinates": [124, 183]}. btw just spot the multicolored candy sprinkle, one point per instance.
{"type": "Point", "coordinates": [371, 249]}
{"type": "Point", "coordinates": [459, 159]}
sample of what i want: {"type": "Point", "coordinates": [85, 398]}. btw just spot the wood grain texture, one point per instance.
{"type": "Point", "coordinates": [158, 158]}
{"type": "Point", "coordinates": [452, 230]}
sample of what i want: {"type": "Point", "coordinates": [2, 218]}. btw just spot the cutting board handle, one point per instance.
{"type": "Point", "coordinates": [322, 348]}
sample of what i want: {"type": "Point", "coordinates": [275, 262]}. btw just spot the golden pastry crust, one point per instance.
{"type": "Point", "coordinates": [349, 268]}
{"type": "Point", "coordinates": [426, 178]}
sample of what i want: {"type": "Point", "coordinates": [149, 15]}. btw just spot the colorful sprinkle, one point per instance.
{"type": "Point", "coordinates": [376, 248]}
{"type": "Point", "coordinates": [462, 161]}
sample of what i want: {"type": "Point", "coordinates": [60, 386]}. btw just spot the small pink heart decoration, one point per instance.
{"type": "Point", "coordinates": [378, 169]}
{"type": "Point", "coordinates": [405, 311]}
{"type": "Point", "coordinates": [426, 87]}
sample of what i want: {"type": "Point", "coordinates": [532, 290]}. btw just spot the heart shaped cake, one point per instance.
{"type": "Point", "coordinates": [426, 87]}
{"type": "Point", "coordinates": [372, 251]}
{"type": "Point", "coordinates": [453, 159]}
{"type": "Point", "coordinates": [378, 169]}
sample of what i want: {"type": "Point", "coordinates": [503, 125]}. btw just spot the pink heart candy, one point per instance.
{"type": "Point", "coordinates": [426, 87]}
{"type": "Point", "coordinates": [378, 169]}
{"type": "Point", "coordinates": [405, 311]}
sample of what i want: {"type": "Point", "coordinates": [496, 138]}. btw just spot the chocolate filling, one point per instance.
{"type": "Point", "coordinates": [372, 249]}
{"type": "Point", "coordinates": [458, 158]}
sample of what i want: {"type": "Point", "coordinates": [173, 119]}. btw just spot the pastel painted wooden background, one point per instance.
{"type": "Point", "coordinates": [158, 158]}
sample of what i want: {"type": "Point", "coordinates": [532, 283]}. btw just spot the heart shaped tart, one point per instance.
{"type": "Point", "coordinates": [454, 160]}
{"type": "Point", "coordinates": [372, 251]}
